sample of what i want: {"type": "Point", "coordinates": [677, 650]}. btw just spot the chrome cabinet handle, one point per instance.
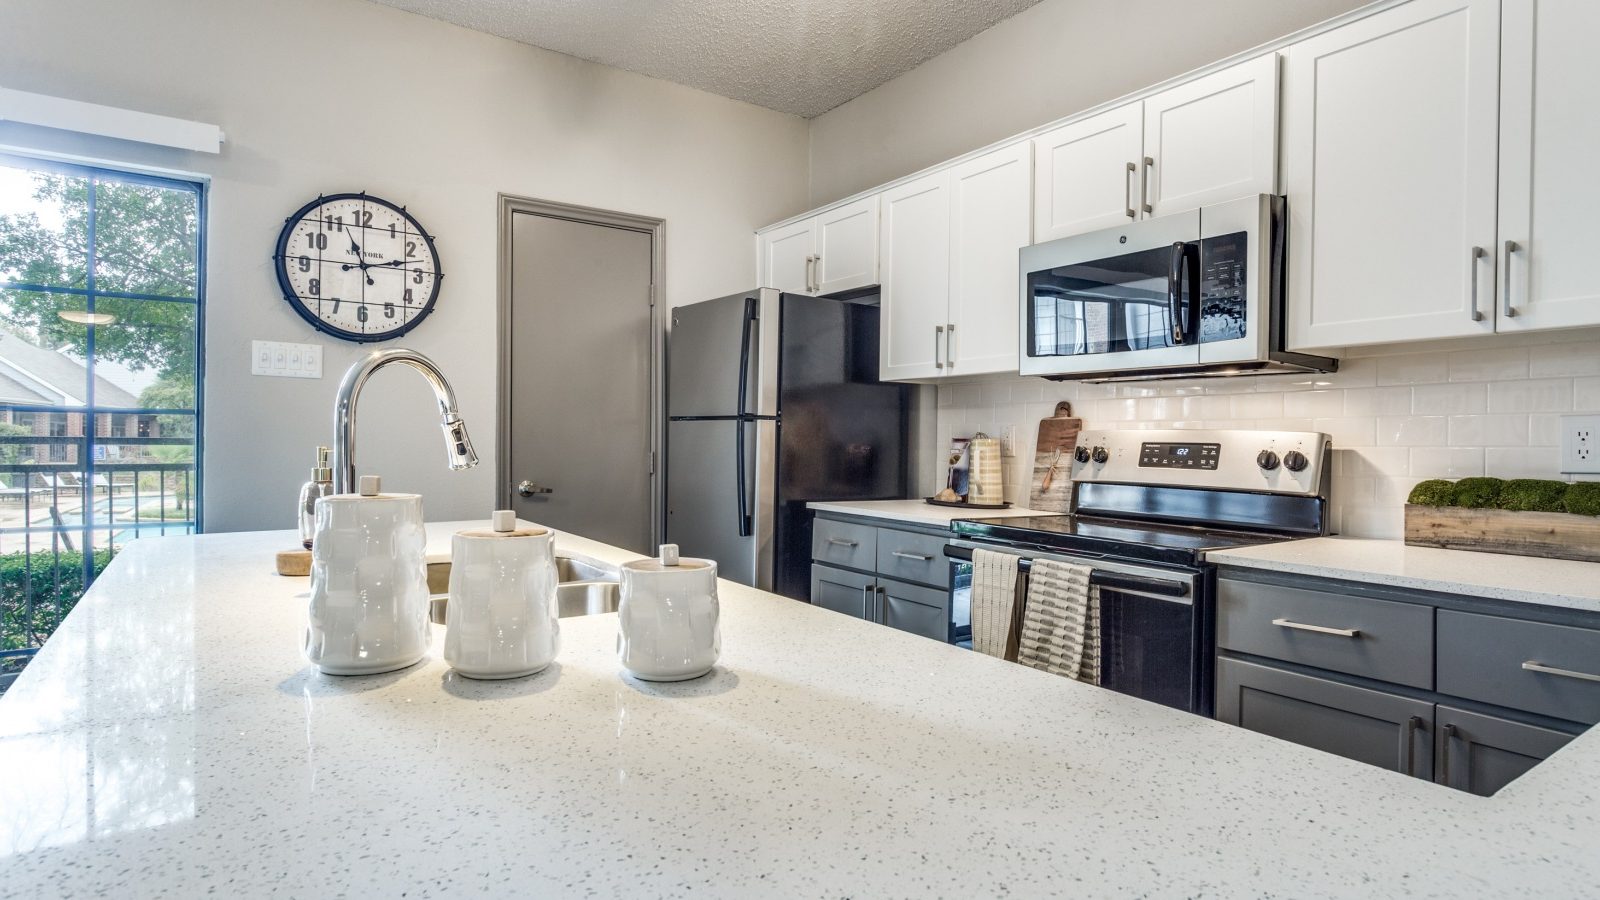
{"type": "Point", "coordinates": [1532, 666]}
{"type": "Point", "coordinates": [1472, 292]}
{"type": "Point", "coordinates": [1144, 186]}
{"type": "Point", "coordinates": [816, 276]}
{"type": "Point", "coordinates": [938, 357]}
{"type": "Point", "coordinates": [811, 267]}
{"type": "Point", "coordinates": [1409, 749]}
{"type": "Point", "coordinates": [1127, 192]}
{"type": "Point", "coordinates": [528, 489]}
{"type": "Point", "coordinates": [867, 612]}
{"type": "Point", "coordinates": [841, 542]}
{"type": "Point", "coordinates": [1510, 311]}
{"type": "Point", "coordinates": [1319, 629]}
{"type": "Point", "coordinates": [916, 556]}
{"type": "Point", "coordinates": [950, 346]}
{"type": "Point", "coordinates": [1444, 765]}
{"type": "Point", "coordinates": [883, 606]}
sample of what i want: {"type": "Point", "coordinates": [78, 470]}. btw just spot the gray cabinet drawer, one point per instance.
{"type": "Point", "coordinates": [850, 593]}
{"type": "Point", "coordinates": [918, 610]}
{"type": "Point", "coordinates": [1391, 641]}
{"type": "Point", "coordinates": [844, 544]}
{"type": "Point", "coordinates": [1373, 727]}
{"type": "Point", "coordinates": [1483, 754]}
{"type": "Point", "coordinates": [1483, 657]}
{"type": "Point", "coordinates": [909, 556]}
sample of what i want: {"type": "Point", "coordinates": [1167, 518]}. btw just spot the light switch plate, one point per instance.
{"type": "Point", "coordinates": [1580, 445]}
{"type": "Point", "coordinates": [1008, 441]}
{"type": "Point", "coordinates": [278, 359]}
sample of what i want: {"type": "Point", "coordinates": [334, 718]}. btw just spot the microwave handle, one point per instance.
{"type": "Point", "coordinates": [1175, 279]}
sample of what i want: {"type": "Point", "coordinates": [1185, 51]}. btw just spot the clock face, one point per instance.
{"type": "Point", "coordinates": [357, 267]}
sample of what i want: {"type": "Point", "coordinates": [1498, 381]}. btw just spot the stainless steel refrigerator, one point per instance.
{"type": "Point", "coordinates": [773, 401]}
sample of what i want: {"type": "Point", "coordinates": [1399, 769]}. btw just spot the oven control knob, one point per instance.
{"type": "Point", "coordinates": [1295, 461]}
{"type": "Point", "coordinates": [1081, 454]}
{"type": "Point", "coordinates": [1100, 455]}
{"type": "Point", "coordinates": [1267, 460]}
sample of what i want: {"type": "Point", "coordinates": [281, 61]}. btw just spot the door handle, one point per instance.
{"type": "Point", "coordinates": [1532, 666]}
{"type": "Point", "coordinates": [810, 261]}
{"type": "Point", "coordinates": [1127, 192]}
{"type": "Point", "coordinates": [950, 346]}
{"type": "Point", "coordinates": [1444, 764]}
{"type": "Point", "coordinates": [1144, 186]}
{"type": "Point", "coordinates": [1177, 272]}
{"type": "Point", "coordinates": [841, 542]}
{"type": "Point", "coordinates": [1319, 629]}
{"type": "Point", "coordinates": [883, 606]}
{"type": "Point", "coordinates": [1409, 748]}
{"type": "Point", "coordinates": [938, 356]}
{"type": "Point", "coordinates": [867, 612]}
{"type": "Point", "coordinates": [1510, 311]}
{"type": "Point", "coordinates": [1473, 261]}
{"type": "Point", "coordinates": [528, 489]}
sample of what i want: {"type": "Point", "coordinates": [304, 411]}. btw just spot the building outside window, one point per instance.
{"type": "Point", "coordinates": [101, 317]}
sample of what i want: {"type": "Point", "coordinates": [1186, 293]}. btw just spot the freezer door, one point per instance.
{"type": "Point", "coordinates": [711, 498]}
{"type": "Point", "coordinates": [713, 344]}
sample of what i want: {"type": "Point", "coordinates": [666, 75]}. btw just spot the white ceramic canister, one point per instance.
{"type": "Point", "coordinates": [501, 620]}
{"type": "Point", "coordinates": [369, 582]}
{"type": "Point", "coordinates": [668, 617]}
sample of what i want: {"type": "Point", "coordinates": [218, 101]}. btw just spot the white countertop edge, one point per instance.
{"type": "Point", "coordinates": [919, 512]}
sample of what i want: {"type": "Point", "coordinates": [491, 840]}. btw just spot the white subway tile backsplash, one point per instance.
{"type": "Point", "coordinates": [1395, 417]}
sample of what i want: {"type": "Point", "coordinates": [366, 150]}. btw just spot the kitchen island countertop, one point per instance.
{"type": "Point", "coordinates": [170, 740]}
{"type": "Point", "coordinates": [917, 512]}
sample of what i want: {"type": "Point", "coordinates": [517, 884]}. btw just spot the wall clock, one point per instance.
{"type": "Point", "coordinates": [357, 267]}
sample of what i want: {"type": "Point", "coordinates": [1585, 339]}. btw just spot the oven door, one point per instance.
{"type": "Point", "coordinates": [1112, 301]}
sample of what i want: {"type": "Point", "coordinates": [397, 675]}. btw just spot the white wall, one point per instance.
{"type": "Point", "coordinates": [1478, 406]}
{"type": "Point", "coordinates": [1052, 60]}
{"type": "Point", "coordinates": [319, 96]}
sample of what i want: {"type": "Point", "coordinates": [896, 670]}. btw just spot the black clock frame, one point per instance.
{"type": "Point", "coordinates": [280, 257]}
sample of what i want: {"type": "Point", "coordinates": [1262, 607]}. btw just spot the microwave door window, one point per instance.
{"type": "Point", "coordinates": [1106, 306]}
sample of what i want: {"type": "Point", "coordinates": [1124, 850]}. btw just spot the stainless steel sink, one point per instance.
{"type": "Point", "coordinates": [582, 588]}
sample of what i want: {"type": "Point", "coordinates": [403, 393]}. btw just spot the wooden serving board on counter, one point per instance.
{"type": "Point", "coordinates": [1051, 487]}
{"type": "Point", "coordinates": [1541, 534]}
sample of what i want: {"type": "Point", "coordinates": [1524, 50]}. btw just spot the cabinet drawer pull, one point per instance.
{"type": "Point", "coordinates": [1472, 280]}
{"type": "Point", "coordinates": [1319, 629]}
{"type": "Point", "coordinates": [1532, 666]}
{"type": "Point", "coordinates": [916, 556]}
{"type": "Point", "coordinates": [841, 542]}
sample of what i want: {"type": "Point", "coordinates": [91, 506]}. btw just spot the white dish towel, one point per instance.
{"type": "Point", "coordinates": [994, 595]}
{"type": "Point", "coordinates": [1061, 622]}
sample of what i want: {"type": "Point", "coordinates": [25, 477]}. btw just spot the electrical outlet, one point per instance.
{"type": "Point", "coordinates": [1580, 445]}
{"type": "Point", "coordinates": [1008, 441]}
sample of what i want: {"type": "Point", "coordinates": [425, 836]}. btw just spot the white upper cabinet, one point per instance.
{"type": "Point", "coordinates": [1212, 139]}
{"type": "Point", "coordinates": [1549, 131]}
{"type": "Point", "coordinates": [1086, 173]}
{"type": "Point", "coordinates": [1389, 165]}
{"type": "Point", "coordinates": [915, 238]}
{"type": "Point", "coordinates": [991, 218]}
{"type": "Point", "coordinates": [835, 250]}
{"type": "Point", "coordinates": [1205, 141]}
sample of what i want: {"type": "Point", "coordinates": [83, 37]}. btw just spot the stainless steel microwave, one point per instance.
{"type": "Point", "coordinates": [1183, 295]}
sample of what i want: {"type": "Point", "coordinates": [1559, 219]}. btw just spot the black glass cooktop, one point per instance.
{"type": "Point", "coordinates": [1126, 538]}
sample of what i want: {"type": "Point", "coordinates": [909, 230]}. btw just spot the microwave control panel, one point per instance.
{"type": "Point", "coordinates": [1178, 456]}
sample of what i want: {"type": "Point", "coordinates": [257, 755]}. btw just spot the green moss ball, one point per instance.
{"type": "Point", "coordinates": [1435, 492]}
{"type": "Point", "coordinates": [1478, 493]}
{"type": "Point", "coordinates": [1583, 498]}
{"type": "Point", "coordinates": [1533, 495]}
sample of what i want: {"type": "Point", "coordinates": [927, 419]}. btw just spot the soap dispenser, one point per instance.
{"type": "Point", "coordinates": [667, 621]}
{"type": "Point", "coordinates": [501, 621]}
{"type": "Point", "coordinates": [320, 485]}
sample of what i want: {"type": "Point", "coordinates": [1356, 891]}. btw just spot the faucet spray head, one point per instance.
{"type": "Point", "coordinates": [458, 447]}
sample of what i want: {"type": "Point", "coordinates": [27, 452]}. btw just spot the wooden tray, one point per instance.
{"type": "Point", "coordinates": [1540, 534]}
{"type": "Point", "coordinates": [956, 504]}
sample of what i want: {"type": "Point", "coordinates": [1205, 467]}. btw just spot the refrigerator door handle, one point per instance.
{"type": "Point", "coordinates": [751, 314]}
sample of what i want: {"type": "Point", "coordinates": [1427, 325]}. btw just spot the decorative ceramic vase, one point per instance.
{"type": "Point", "coordinates": [369, 583]}
{"type": "Point", "coordinates": [501, 620]}
{"type": "Point", "coordinates": [667, 619]}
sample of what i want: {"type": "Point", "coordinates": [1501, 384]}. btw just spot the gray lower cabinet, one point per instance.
{"type": "Point", "coordinates": [842, 591]}
{"type": "Point", "coordinates": [918, 610]}
{"type": "Point", "coordinates": [1366, 725]}
{"type": "Point", "coordinates": [1482, 754]}
{"type": "Point", "coordinates": [893, 576]}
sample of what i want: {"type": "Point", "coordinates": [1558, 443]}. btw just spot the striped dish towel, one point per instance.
{"type": "Point", "coordinates": [994, 593]}
{"type": "Point", "coordinates": [1061, 622]}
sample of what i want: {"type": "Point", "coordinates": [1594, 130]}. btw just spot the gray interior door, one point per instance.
{"type": "Point", "coordinates": [580, 377]}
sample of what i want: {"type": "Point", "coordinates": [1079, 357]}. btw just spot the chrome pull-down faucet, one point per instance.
{"type": "Point", "coordinates": [458, 446]}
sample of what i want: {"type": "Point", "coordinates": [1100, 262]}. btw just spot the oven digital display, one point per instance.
{"type": "Point", "coordinates": [1179, 456]}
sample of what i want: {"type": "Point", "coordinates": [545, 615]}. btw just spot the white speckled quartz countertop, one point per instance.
{"type": "Point", "coordinates": [918, 512]}
{"type": "Point", "coordinates": [1523, 579]}
{"type": "Point", "coordinates": [171, 741]}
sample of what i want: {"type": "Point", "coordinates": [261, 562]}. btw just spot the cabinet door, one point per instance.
{"type": "Point", "coordinates": [786, 257]}
{"type": "Point", "coordinates": [991, 218]}
{"type": "Point", "coordinates": [1369, 726]}
{"type": "Point", "coordinates": [1548, 135]}
{"type": "Point", "coordinates": [914, 314]}
{"type": "Point", "coordinates": [1214, 138]}
{"type": "Point", "coordinates": [847, 247]}
{"type": "Point", "coordinates": [1085, 175]}
{"type": "Point", "coordinates": [850, 593]}
{"type": "Point", "coordinates": [1390, 137]}
{"type": "Point", "coordinates": [918, 610]}
{"type": "Point", "coordinates": [1482, 754]}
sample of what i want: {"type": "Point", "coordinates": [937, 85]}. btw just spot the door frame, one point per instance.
{"type": "Point", "coordinates": [511, 205]}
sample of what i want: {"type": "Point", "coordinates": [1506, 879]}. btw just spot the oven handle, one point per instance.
{"type": "Point", "coordinates": [1114, 580]}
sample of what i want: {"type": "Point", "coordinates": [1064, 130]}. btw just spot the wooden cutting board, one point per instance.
{"type": "Point", "coordinates": [1051, 488]}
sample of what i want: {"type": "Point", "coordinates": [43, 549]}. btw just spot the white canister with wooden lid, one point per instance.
{"type": "Point", "coordinates": [501, 621]}
{"type": "Point", "coordinates": [668, 619]}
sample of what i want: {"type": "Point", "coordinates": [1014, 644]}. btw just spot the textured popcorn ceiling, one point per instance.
{"type": "Point", "coordinates": [797, 56]}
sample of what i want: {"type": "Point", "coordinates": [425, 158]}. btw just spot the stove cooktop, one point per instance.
{"type": "Point", "coordinates": [1126, 538]}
